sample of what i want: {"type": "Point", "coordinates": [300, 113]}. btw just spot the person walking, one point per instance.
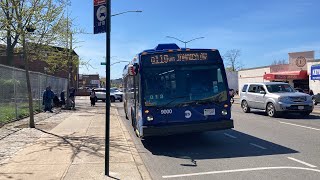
{"type": "Point", "coordinates": [72, 98]}
{"type": "Point", "coordinates": [311, 93]}
{"type": "Point", "coordinates": [48, 96]}
{"type": "Point", "coordinates": [93, 97]}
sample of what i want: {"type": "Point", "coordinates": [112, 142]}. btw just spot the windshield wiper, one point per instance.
{"type": "Point", "coordinates": [175, 98]}
{"type": "Point", "coordinates": [205, 101]}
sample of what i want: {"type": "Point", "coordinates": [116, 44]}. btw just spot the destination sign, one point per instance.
{"type": "Point", "coordinates": [181, 58]}
{"type": "Point", "coordinates": [170, 58]}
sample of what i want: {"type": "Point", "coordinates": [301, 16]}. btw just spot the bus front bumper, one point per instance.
{"type": "Point", "coordinates": [186, 128]}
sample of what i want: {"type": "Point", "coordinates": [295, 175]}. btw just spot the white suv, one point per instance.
{"type": "Point", "coordinates": [275, 98]}
{"type": "Point", "coordinates": [101, 95]}
{"type": "Point", "coordinates": [118, 93]}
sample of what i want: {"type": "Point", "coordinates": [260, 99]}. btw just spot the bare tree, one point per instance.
{"type": "Point", "coordinates": [279, 62]}
{"type": "Point", "coordinates": [231, 58]}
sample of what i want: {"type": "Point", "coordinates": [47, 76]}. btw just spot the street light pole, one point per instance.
{"type": "Point", "coordinates": [118, 62]}
{"type": "Point", "coordinates": [136, 11]}
{"type": "Point", "coordinates": [185, 42]}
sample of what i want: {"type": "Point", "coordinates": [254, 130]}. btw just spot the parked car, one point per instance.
{"type": "Point", "coordinates": [302, 90]}
{"type": "Point", "coordinates": [101, 95]}
{"type": "Point", "coordinates": [275, 98]}
{"type": "Point", "coordinates": [118, 93]}
{"type": "Point", "coordinates": [316, 99]}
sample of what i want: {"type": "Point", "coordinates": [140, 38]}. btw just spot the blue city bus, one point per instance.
{"type": "Point", "coordinates": [170, 90]}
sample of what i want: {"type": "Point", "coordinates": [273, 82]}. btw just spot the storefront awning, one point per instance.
{"type": "Point", "coordinates": [286, 75]}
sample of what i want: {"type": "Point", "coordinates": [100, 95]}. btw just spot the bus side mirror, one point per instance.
{"type": "Point", "coordinates": [133, 69]}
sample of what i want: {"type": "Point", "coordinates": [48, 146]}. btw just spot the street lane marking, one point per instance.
{"type": "Point", "coordinates": [229, 135]}
{"type": "Point", "coordinates": [300, 126]}
{"type": "Point", "coordinates": [302, 162]}
{"type": "Point", "coordinates": [258, 146]}
{"type": "Point", "coordinates": [239, 170]}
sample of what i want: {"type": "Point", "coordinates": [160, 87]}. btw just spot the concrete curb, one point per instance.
{"type": "Point", "coordinates": [144, 173]}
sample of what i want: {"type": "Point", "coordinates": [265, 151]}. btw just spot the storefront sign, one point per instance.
{"type": "Point", "coordinates": [315, 72]}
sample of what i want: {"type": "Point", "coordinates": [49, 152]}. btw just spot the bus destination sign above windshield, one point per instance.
{"type": "Point", "coordinates": [158, 59]}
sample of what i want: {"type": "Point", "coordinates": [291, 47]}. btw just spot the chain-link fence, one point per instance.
{"type": "Point", "coordinates": [14, 94]}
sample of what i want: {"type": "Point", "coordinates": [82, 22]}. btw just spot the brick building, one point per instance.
{"type": "Point", "coordinates": [41, 65]}
{"type": "Point", "coordinates": [89, 81]}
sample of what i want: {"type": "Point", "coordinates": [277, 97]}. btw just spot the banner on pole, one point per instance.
{"type": "Point", "coordinates": [99, 16]}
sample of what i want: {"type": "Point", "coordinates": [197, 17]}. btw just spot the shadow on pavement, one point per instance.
{"type": "Point", "coordinates": [88, 144]}
{"type": "Point", "coordinates": [212, 145]}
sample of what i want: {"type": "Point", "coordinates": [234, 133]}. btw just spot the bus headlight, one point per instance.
{"type": "Point", "coordinates": [224, 112]}
{"type": "Point", "coordinates": [149, 118]}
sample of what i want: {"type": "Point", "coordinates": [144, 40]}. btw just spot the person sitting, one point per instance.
{"type": "Point", "coordinates": [62, 98]}
{"type": "Point", "coordinates": [56, 101]}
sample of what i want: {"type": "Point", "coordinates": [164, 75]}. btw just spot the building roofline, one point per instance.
{"type": "Point", "coordinates": [254, 68]}
{"type": "Point", "coordinates": [301, 52]}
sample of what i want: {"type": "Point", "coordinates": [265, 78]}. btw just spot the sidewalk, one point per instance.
{"type": "Point", "coordinates": [74, 149]}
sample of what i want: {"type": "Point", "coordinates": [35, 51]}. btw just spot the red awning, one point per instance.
{"type": "Point", "coordinates": [285, 75]}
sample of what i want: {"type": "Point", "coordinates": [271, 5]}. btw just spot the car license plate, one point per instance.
{"type": "Point", "coordinates": [209, 112]}
{"type": "Point", "coordinates": [300, 107]}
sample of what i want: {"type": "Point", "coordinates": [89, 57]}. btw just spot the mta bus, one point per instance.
{"type": "Point", "coordinates": [171, 90]}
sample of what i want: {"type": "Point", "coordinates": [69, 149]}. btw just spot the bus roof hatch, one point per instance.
{"type": "Point", "coordinates": [166, 47]}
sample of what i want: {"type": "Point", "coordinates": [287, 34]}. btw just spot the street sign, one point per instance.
{"type": "Point", "coordinates": [99, 16]}
{"type": "Point", "coordinates": [315, 72]}
{"type": "Point", "coordinates": [103, 63]}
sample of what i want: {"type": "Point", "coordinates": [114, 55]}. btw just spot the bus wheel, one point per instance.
{"type": "Point", "coordinates": [125, 111]}
{"type": "Point", "coordinates": [133, 121]}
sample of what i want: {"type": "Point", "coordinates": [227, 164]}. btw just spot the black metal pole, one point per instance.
{"type": "Point", "coordinates": [107, 139]}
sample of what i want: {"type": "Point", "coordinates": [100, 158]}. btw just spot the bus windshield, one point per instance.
{"type": "Point", "coordinates": [179, 85]}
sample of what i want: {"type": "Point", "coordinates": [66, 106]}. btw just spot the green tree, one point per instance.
{"type": "Point", "coordinates": [44, 16]}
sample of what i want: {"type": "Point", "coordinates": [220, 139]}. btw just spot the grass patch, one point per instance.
{"type": "Point", "coordinates": [8, 112]}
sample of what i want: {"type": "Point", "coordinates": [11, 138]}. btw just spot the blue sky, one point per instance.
{"type": "Point", "coordinates": [264, 31]}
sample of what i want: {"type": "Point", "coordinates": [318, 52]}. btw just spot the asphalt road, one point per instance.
{"type": "Point", "coordinates": [258, 147]}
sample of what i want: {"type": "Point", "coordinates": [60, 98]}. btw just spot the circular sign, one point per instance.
{"type": "Point", "coordinates": [102, 13]}
{"type": "Point", "coordinates": [301, 61]}
{"type": "Point", "coordinates": [187, 114]}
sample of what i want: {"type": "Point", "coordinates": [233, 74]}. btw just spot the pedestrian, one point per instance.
{"type": "Point", "coordinates": [93, 97]}
{"type": "Point", "coordinates": [72, 97]}
{"type": "Point", "coordinates": [56, 101]}
{"type": "Point", "coordinates": [311, 93]}
{"type": "Point", "coordinates": [62, 98]}
{"type": "Point", "coordinates": [48, 96]}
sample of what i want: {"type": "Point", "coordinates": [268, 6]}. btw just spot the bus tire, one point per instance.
{"type": "Point", "coordinates": [125, 111]}
{"type": "Point", "coordinates": [133, 120]}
